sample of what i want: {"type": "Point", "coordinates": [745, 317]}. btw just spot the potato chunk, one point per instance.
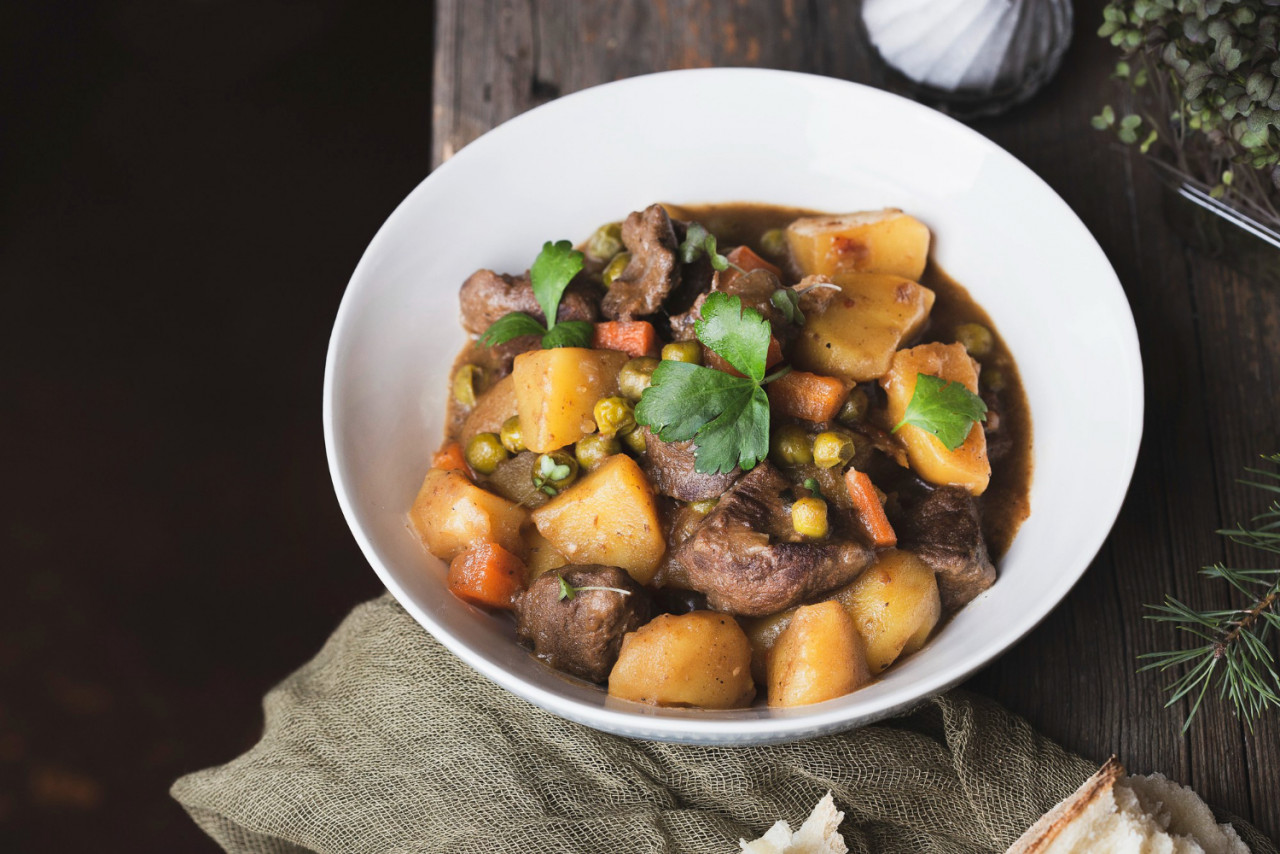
{"type": "Point", "coordinates": [894, 606]}
{"type": "Point", "coordinates": [885, 241]}
{"type": "Point", "coordinates": [818, 657]}
{"type": "Point", "coordinates": [543, 557]}
{"type": "Point", "coordinates": [556, 391]}
{"type": "Point", "coordinates": [494, 406]}
{"type": "Point", "coordinates": [855, 336]}
{"type": "Point", "coordinates": [451, 514]}
{"type": "Point", "coordinates": [967, 465]}
{"type": "Point", "coordinates": [608, 517]}
{"type": "Point", "coordinates": [697, 659]}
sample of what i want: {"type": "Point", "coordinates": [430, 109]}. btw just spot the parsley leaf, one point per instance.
{"type": "Point", "coordinates": [510, 326]}
{"type": "Point", "coordinates": [568, 333]}
{"type": "Point", "coordinates": [698, 240]}
{"type": "Point", "coordinates": [552, 270]}
{"type": "Point", "coordinates": [944, 408]}
{"type": "Point", "coordinates": [727, 417]}
{"type": "Point", "coordinates": [740, 336]}
{"type": "Point", "coordinates": [787, 301]}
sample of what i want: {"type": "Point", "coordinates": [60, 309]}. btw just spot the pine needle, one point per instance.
{"type": "Point", "coordinates": [1233, 649]}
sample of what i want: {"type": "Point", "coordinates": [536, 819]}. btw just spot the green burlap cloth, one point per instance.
{"type": "Point", "coordinates": [385, 742]}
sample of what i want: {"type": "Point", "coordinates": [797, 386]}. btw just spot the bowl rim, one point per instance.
{"type": "Point", "coordinates": [717, 730]}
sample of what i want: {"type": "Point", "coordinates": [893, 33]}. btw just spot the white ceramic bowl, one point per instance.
{"type": "Point", "coordinates": [717, 136]}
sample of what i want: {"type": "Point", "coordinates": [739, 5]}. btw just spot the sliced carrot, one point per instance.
{"type": "Point", "coordinates": [450, 458]}
{"type": "Point", "coordinates": [634, 337]}
{"type": "Point", "coordinates": [712, 359]}
{"type": "Point", "coordinates": [867, 503]}
{"type": "Point", "coordinates": [809, 396]}
{"type": "Point", "coordinates": [747, 260]}
{"type": "Point", "coordinates": [487, 574]}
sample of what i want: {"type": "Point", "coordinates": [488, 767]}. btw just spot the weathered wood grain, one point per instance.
{"type": "Point", "coordinates": [1210, 339]}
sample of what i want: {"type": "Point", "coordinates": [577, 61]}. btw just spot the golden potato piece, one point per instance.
{"type": "Point", "coordinates": [818, 657]}
{"type": "Point", "coordinates": [855, 336]}
{"type": "Point", "coordinates": [543, 556]}
{"type": "Point", "coordinates": [763, 632]}
{"type": "Point", "coordinates": [608, 517]}
{"type": "Point", "coordinates": [556, 391]}
{"type": "Point", "coordinates": [451, 514]}
{"type": "Point", "coordinates": [894, 605]}
{"type": "Point", "coordinates": [967, 465]}
{"type": "Point", "coordinates": [884, 241]}
{"type": "Point", "coordinates": [697, 659]}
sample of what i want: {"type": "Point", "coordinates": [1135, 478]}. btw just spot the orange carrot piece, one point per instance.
{"type": "Point", "coordinates": [450, 458]}
{"type": "Point", "coordinates": [712, 359]}
{"type": "Point", "coordinates": [487, 574]}
{"type": "Point", "coordinates": [634, 337]}
{"type": "Point", "coordinates": [870, 510]}
{"type": "Point", "coordinates": [809, 396]}
{"type": "Point", "coordinates": [748, 260]}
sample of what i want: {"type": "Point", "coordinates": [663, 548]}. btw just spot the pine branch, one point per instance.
{"type": "Point", "coordinates": [1234, 648]}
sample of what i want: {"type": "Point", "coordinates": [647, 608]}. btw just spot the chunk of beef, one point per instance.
{"type": "Point", "coordinates": [945, 530]}
{"type": "Point", "coordinates": [755, 288]}
{"type": "Point", "coordinates": [654, 268]}
{"type": "Point", "coordinates": [581, 635]}
{"type": "Point", "coordinates": [670, 467]}
{"type": "Point", "coordinates": [486, 296]}
{"type": "Point", "coordinates": [748, 560]}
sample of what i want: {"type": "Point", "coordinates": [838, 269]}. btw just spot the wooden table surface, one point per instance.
{"type": "Point", "coordinates": [1209, 342]}
{"type": "Point", "coordinates": [195, 184]}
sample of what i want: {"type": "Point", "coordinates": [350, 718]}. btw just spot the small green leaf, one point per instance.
{"type": "Point", "coordinates": [787, 301]}
{"type": "Point", "coordinates": [569, 333]}
{"type": "Point", "coordinates": [1227, 178]}
{"type": "Point", "coordinates": [1148, 142]}
{"type": "Point", "coordinates": [510, 326]}
{"type": "Point", "coordinates": [1122, 70]}
{"type": "Point", "coordinates": [552, 270]}
{"type": "Point", "coordinates": [944, 408]}
{"type": "Point", "coordinates": [738, 335]}
{"type": "Point", "coordinates": [566, 591]}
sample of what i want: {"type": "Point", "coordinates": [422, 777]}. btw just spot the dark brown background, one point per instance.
{"type": "Point", "coordinates": [187, 188]}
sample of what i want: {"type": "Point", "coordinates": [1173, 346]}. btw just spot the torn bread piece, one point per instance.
{"type": "Point", "coordinates": [1119, 814]}
{"type": "Point", "coordinates": [820, 834]}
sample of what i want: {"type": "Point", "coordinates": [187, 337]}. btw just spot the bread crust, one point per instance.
{"type": "Point", "coordinates": [1042, 834]}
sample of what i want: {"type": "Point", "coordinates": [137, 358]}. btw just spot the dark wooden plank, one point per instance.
{"type": "Point", "coordinates": [1209, 341]}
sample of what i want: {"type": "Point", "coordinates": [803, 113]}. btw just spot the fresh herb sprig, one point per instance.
{"type": "Point", "coordinates": [554, 268]}
{"type": "Point", "coordinates": [944, 408]}
{"type": "Point", "coordinates": [699, 241]}
{"type": "Point", "coordinates": [727, 417]}
{"type": "Point", "coordinates": [568, 591]}
{"type": "Point", "coordinates": [1234, 649]}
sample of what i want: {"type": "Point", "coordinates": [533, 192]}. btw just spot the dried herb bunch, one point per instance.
{"type": "Point", "coordinates": [1201, 93]}
{"type": "Point", "coordinates": [1233, 648]}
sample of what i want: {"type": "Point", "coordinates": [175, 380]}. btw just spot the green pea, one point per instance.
{"type": "Point", "coordinates": [594, 449]}
{"type": "Point", "coordinates": [634, 439]}
{"type": "Point", "coordinates": [976, 338]}
{"type": "Point", "coordinates": [553, 472]}
{"type": "Point", "coordinates": [809, 517]}
{"type": "Point", "coordinates": [854, 408]}
{"type": "Point", "coordinates": [512, 438]}
{"type": "Point", "coordinates": [635, 376]}
{"type": "Point", "coordinates": [606, 241]}
{"type": "Point", "coordinates": [614, 415]}
{"type": "Point", "coordinates": [774, 242]}
{"type": "Point", "coordinates": [615, 267]}
{"type": "Point", "coordinates": [702, 508]}
{"type": "Point", "coordinates": [683, 351]}
{"type": "Point", "coordinates": [789, 446]}
{"type": "Point", "coordinates": [484, 452]}
{"type": "Point", "coordinates": [468, 382]}
{"type": "Point", "coordinates": [992, 379]}
{"type": "Point", "coordinates": [832, 449]}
